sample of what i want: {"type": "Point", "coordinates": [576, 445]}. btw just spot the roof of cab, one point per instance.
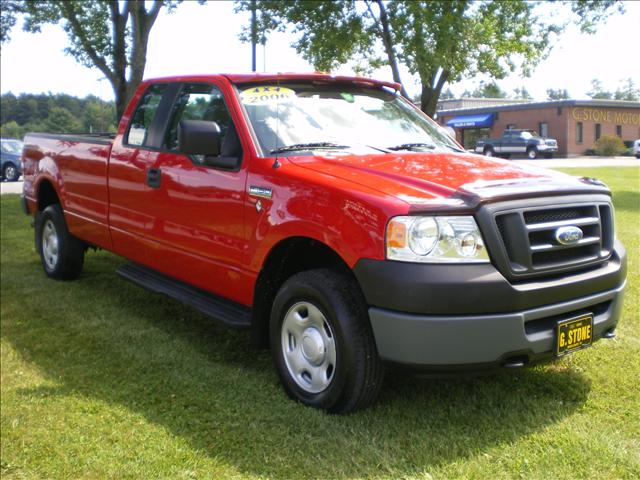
{"type": "Point", "coordinates": [270, 77]}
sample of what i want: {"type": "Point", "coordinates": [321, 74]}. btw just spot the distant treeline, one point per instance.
{"type": "Point", "coordinates": [54, 113]}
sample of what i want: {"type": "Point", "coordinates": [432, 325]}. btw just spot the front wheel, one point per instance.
{"type": "Point", "coordinates": [61, 253]}
{"type": "Point", "coordinates": [532, 153]}
{"type": "Point", "coordinates": [10, 173]}
{"type": "Point", "coordinates": [488, 152]}
{"type": "Point", "coordinates": [322, 342]}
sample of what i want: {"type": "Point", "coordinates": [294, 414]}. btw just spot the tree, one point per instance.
{"type": "Point", "coordinates": [598, 92]}
{"type": "Point", "coordinates": [628, 91]}
{"type": "Point", "coordinates": [439, 41]}
{"type": "Point", "coordinates": [521, 93]}
{"type": "Point", "coordinates": [559, 94]}
{"type": "Point", "coordinates": [447, 95]}
{"type": "Point", "coordinates": [62, 120]}
{"type": "Point", "coordinates": [487, 90]}
{"type": "Point", "coordinates": [11, 130]}
{"type": "Point", "coordinates": [111, 36]}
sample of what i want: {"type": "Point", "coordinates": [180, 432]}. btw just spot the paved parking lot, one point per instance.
{"type": "Point", "coordinates": [11, 187]}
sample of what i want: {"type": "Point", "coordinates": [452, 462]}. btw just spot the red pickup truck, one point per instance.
{"type": "Point", "coordinates": [338, 223]}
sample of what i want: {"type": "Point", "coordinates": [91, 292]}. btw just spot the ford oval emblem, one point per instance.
{"type": "Point", "coordinates": [568, 235]}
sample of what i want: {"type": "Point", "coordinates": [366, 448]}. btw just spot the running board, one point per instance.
{"type": "Point", "coordinates": [229, 313]}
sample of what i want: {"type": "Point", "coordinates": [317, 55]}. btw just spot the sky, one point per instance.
{"type": "Point", "coordinates": [204, 39]}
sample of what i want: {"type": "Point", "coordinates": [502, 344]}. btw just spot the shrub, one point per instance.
{"type": "Point", "coordinates": [609, 146]}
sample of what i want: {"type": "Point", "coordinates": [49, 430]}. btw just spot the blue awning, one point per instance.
{"type": "Point", "coordinates": [471, 121]}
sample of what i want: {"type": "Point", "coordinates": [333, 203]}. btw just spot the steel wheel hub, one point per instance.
{"type": "Point", "coordinates": [308, 347]}
{"type": "Point", "coordinates": [50, 244]}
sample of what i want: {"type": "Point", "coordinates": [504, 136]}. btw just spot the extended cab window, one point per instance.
{"type": "Point", "coordinates": [203, 102]}
{"type": "Point", "coordinates": [144, 114]}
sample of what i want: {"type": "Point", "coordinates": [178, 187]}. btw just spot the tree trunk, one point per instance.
{"type": "Point", "coordinates": [430, 94]}
{"type": "Point", "coordinates": [387, 40]}
{"type": "Point", "coordinates": [119, 67]}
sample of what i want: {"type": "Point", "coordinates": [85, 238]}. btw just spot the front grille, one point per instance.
{"type": "Point", "coordinates": [530, 237]}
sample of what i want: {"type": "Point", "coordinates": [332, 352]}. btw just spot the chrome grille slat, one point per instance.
{"type": "Point", "coordinates": [562, 223]}
{"type": "Point", "coordinates": [547, 246]}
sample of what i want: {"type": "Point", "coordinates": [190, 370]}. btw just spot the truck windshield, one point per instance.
{"type": "Point", "coordinates": [296, 118]}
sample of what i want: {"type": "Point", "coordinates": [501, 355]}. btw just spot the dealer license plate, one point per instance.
{"type": "Point", "coordinates": [574, 334]}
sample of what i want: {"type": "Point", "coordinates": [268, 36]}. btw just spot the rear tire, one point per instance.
{"type": "Point", "coordinates": [322, 343]}
{"type": "Point", "coordinates": [61, 254]}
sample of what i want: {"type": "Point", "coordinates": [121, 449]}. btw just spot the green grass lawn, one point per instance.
{"type": "Point", "coordinates": [102, 379]}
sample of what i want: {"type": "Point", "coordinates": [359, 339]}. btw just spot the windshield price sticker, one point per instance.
{"type": "Point", "coordinates": [266, 95]}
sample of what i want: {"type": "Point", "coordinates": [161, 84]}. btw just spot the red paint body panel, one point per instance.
{"type": "Point", "coordinates": [201, 226]}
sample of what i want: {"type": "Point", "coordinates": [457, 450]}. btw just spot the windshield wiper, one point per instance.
{"type": "Point", "coordinates": [413, 146]}
{"type": "Point", "coordinates": [308, 146]}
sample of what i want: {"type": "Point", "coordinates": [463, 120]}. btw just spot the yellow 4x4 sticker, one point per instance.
{"type": "Point", "coordinates": [266, 95]}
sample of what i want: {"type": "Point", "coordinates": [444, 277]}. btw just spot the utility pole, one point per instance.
{"type": "Point", "coordinates": [254, 35]}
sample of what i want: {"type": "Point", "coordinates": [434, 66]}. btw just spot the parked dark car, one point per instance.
{"type": "Point", "coordinates": [518, 141]}
{"type": "Point", "coordinates": [11, 167]}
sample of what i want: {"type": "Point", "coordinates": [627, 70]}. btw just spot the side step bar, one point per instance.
{"type": "Point", "coordinates": [225, 311]}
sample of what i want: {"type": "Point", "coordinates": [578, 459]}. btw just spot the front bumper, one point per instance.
{"type": "Point", "coordinates": [547, 148]}
{"type": "Point", "coordinates": [448, 317]}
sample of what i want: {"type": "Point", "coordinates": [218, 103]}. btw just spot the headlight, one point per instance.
{"type": "Point", "coordinates": [541, 142]}
{"type": "Point", "coordinates": [435, 240]}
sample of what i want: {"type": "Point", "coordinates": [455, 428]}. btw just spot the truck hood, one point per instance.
{"type": "Point", "coordinates": [426, 180]}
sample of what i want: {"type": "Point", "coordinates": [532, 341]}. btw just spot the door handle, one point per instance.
{"type": "Point", "coordinates": [153, 177]}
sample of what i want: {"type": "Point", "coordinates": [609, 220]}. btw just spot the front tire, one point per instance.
{"type": "Point", "coordinates": [322, 342]}
{"type": "Point", "coordinates": [488, 152]}
{"type": "Point", "coordinates": [10, 173]}
{"type": "Point", "coordinates": [61, 254]}
{"type": "Point", "coordinates": [532, 153]}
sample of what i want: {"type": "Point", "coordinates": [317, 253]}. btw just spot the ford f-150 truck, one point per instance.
{"type": "Point", "coordinates": [518, 141]}
{"type": "Point", "coordinates": [338, 223]}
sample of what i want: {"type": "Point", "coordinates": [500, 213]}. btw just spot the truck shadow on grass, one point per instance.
{"type": "Point", "coordinates": [128, 347]}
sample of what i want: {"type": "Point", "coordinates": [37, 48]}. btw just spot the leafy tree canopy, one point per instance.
{"type": "Point", "coordinates": [109, 35]}
{"type": "Point", "coordinates": [627, 90]}
{"type": "Point", "coordinates": [557, 94]}
{"type": "Point", "coordinates": [438, 41]}
{"type": "Point", "coordinates": [59, 113]}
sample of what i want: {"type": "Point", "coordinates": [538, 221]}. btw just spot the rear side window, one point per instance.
{"type": "Point", "coordinates": [145, 112]}
{"type": "Point", "coordinates": [198, 102]}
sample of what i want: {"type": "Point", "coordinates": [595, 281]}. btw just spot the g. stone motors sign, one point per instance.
{"type": "Point", "coordinates": [605, 115]}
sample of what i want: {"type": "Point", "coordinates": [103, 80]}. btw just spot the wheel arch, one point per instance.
{"type": "Point", "coordinates": [46, 194]}
{"type": "Point", "coordinates": [286, 258]}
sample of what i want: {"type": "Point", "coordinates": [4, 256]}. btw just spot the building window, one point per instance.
{"type": "Point", "coordinates": [511, 126]}
{"type": "Point", "coordinates": [598, 131]}
{"type": "Point", "coordinates": [543, 128]}
{"type": "Point", "coordinates": [619, 130]}
{"type": "Point", "coordinates": [579, 132]}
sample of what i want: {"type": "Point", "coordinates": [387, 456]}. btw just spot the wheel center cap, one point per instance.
{"type": "Point", "coordinates": [313, 347]}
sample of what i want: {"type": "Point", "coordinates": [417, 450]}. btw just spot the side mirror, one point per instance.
{"type": "Point", "coordinates": [199, 137]}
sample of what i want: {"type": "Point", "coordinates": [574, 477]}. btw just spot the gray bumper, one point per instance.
{"type": "Point", "coordinates": [485, 340]}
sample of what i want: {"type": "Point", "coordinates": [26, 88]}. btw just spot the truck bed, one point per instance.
{"type": "Point", "coordinates": [77, 166]}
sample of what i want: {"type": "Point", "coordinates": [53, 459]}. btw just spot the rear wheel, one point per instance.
{"type": "Point", "coordinates": [61, 253]}
{"type": "Point", "coordinates": [10, 173]}
{"type": "Point", "coordinates": [532, 153]}
{"type": "Point", "coordinates": [322, 342]}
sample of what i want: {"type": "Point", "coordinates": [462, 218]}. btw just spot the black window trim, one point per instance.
{"type": "Point", "coordinates": [162, 117]}
{"type": "Point", "coordinates": [156, 118]}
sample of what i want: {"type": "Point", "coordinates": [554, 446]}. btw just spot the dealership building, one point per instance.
{"type": "Point", "coordinates": [575, 124]}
